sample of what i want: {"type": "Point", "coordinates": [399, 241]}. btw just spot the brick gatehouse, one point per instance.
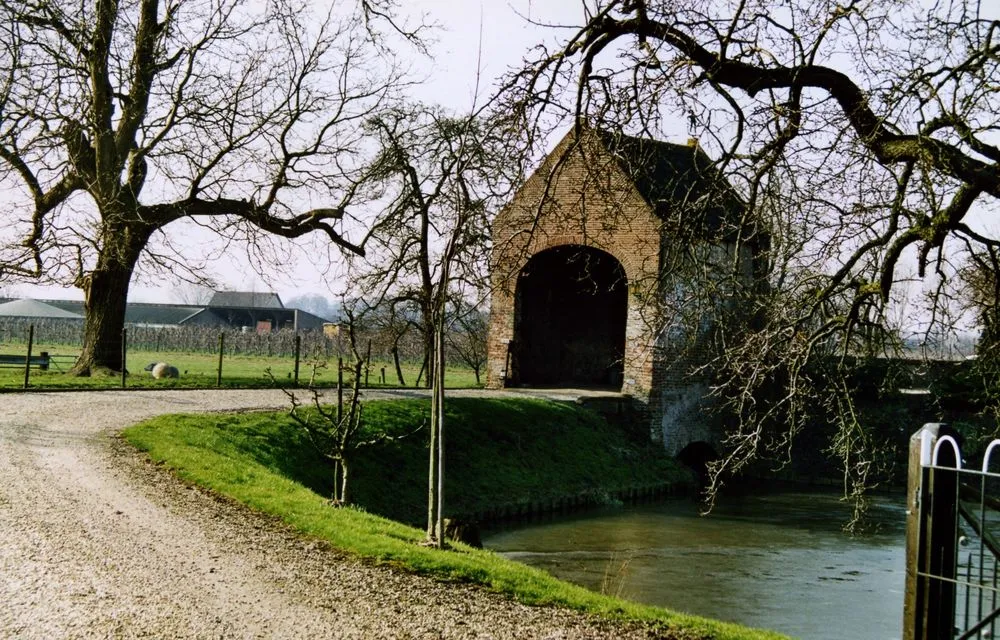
{"type": "Point", "coordinates": [592, 263]}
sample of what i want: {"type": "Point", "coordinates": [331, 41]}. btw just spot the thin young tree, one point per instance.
{"type": "Point", "coordinates": [337, 434]}
{"type": "Point", "coordinates": [441, 178]}
{"type": "Point", "coordinates": [391, 323]}
{"type": "Point", "coordinates": [118, 120]}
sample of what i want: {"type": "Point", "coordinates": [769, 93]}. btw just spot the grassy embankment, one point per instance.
{"type": "Point", "coordinates": [199, 371]}
{"type": "Point", "coordinates": [499, 449]}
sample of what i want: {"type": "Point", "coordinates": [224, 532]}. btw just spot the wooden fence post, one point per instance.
{"type": "Point", "coordinates": [27, 358]}
{"type": "Point", "coordinates": [298, 349]}
{"type": "Point", "coordinates": [913, 519]}
{"type": "Point", "coordinates": [124, 355]}
{"type": "Point", "coordinates": [340, 388]}
{"type": "Point", "coordinates": [222, 346]}
{"type": "Point", "coordinates": [368, 361]}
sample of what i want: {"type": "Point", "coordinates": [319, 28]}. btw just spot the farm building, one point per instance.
{"type": "Point", "coordinates": [36, 310]}
{"type": "Point", "coordinates": [593, 267]}
{"type": "Point", "coordinates": [242, 311]}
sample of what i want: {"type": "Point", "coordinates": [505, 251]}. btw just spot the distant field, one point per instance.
{"type": "Point", "coordinates": [199, 370]}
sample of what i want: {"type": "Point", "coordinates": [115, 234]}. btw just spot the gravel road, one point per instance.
{"type": "Point", "coordinates": [96, 542]}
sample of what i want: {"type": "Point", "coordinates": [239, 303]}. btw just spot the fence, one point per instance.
{"type": "Point", "coordinates": [310, 356]}
{"type": "Point", "coordinates": [952, 549]}
{"type": "Point", "coordinates": [191, 339]}
{"type": "Point", "coordinates": [292, 349]}
{"type": "Point", "coordinates": [205, 339]}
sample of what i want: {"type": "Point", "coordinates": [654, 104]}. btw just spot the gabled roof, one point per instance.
{"type": "Point", "coordinates": [248, 299]}
{"type": "Point", "coordinates": [675, 179]}
{"type": "Point", "coordinates": [35, 309]}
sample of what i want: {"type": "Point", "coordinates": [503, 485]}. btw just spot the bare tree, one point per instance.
{"type": "Point", "coordinates": [391, 323]}
{"type": "Point", "coordinates": [861, 133]}
{"type": "Point", "coordinates": [315, 304]}
{"type": "Point", "coordinates": [119, 119]}
{"type": "Point", "coordinates": [981, 296]}
{"type": "Point", "coordinates": [467, 333]}
{"type": "Point", "coordinates": [193, 293]}
{"type": "Point", "coordinates": [441, 178]}
{"type": "Point", "coordinates": [335, 434]}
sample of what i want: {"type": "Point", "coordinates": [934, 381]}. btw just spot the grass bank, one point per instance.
{"type": "Point", "coordinates": [498, 448]}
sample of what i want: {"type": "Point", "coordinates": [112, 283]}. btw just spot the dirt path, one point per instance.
{"type": "Point", "coordinates": [97, 542]}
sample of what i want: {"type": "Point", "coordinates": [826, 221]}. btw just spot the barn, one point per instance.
{"type": "Point", "coordinates": [261, 312]}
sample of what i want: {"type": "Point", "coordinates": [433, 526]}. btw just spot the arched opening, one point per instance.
{"type": "Point", "coordinates": [697, 456]}
{"type": "Point", "coordinates": [570, 311]}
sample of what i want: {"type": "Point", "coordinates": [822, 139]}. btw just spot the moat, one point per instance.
{"type": "Point", "coordinates": [778, 561]}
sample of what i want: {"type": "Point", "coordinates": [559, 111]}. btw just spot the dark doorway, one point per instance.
{"type": "Point", "coordinates": [697, 456]}
{"type": "Point", "coordinates": [569, 319]}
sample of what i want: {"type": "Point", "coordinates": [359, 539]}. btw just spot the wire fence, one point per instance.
{"type": "Point", "coordinates": [190, 339]}
{"type": "Point", "coordinates": [315, 343]}
{"type": "Point", "coordinates": [201, 351]}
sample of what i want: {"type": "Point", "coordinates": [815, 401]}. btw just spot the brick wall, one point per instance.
{"type": "Point", "coordinates": [581, 196]}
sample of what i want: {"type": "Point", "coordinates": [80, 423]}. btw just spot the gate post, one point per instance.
{"type": "Point", "coordinates": [931, 530]}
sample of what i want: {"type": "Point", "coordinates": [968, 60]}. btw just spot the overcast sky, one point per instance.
{"type": "Point", "coordinates": [474, 44]}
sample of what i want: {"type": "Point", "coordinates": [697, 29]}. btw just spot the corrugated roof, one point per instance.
{"type": "Point", "coordinates": [139, 312]}
{"type": "Point", "coordinates": [157, 314]}
{"type": "Point", "coordinates": [246, 299]}
{"type": "Point", "coordinates": [73, 306]}
{"type": "Point", "coordinates": [28, 308]}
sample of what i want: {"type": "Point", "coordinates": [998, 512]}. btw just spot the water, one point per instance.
{"type": "Point", "coordinates": [777, 561]}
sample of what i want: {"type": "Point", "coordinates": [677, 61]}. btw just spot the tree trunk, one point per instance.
{"type": "Point", "coordinates": [399, 369]}
{"type": "Point", "coordinates": [438, 387]}
{"type": "Point", "coordinates": [105, 291]}
{"type": "Point", "coordinates": [420, 374]}
{"type": "Point", "coordinates": [427, 332]}
{"type": "Point", "coordinates": [432, 474]}
{"type": "Point", "coordinates": [343, 481]}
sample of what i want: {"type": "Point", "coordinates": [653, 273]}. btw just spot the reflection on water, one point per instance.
{"type": "Point", "coordinates": [776, 561]}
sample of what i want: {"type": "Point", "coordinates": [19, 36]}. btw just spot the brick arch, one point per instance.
{"type": "Point", "coordinates": [628, 262]}
{"type": "Point", "coordinates": [571, 308]}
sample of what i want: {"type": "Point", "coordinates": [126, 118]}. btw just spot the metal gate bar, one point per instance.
{"type": "Point", "coordinates": [938, 523]}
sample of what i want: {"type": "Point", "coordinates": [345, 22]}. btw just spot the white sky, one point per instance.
{"type": "Point", "coordinates": [450, 76]}
{"type": "Point", "coordinates": [475, 43]}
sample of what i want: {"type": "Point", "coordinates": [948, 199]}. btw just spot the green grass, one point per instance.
{"type": "Point", "coordinates": [498, 449]}
{"type": "Point", "coordinates": [502, 451]}
{"type": "Point", "coordinates": [199, 370]}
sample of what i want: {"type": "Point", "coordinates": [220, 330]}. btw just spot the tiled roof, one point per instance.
{"type": "Point", "coordinates": [675, 179]}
